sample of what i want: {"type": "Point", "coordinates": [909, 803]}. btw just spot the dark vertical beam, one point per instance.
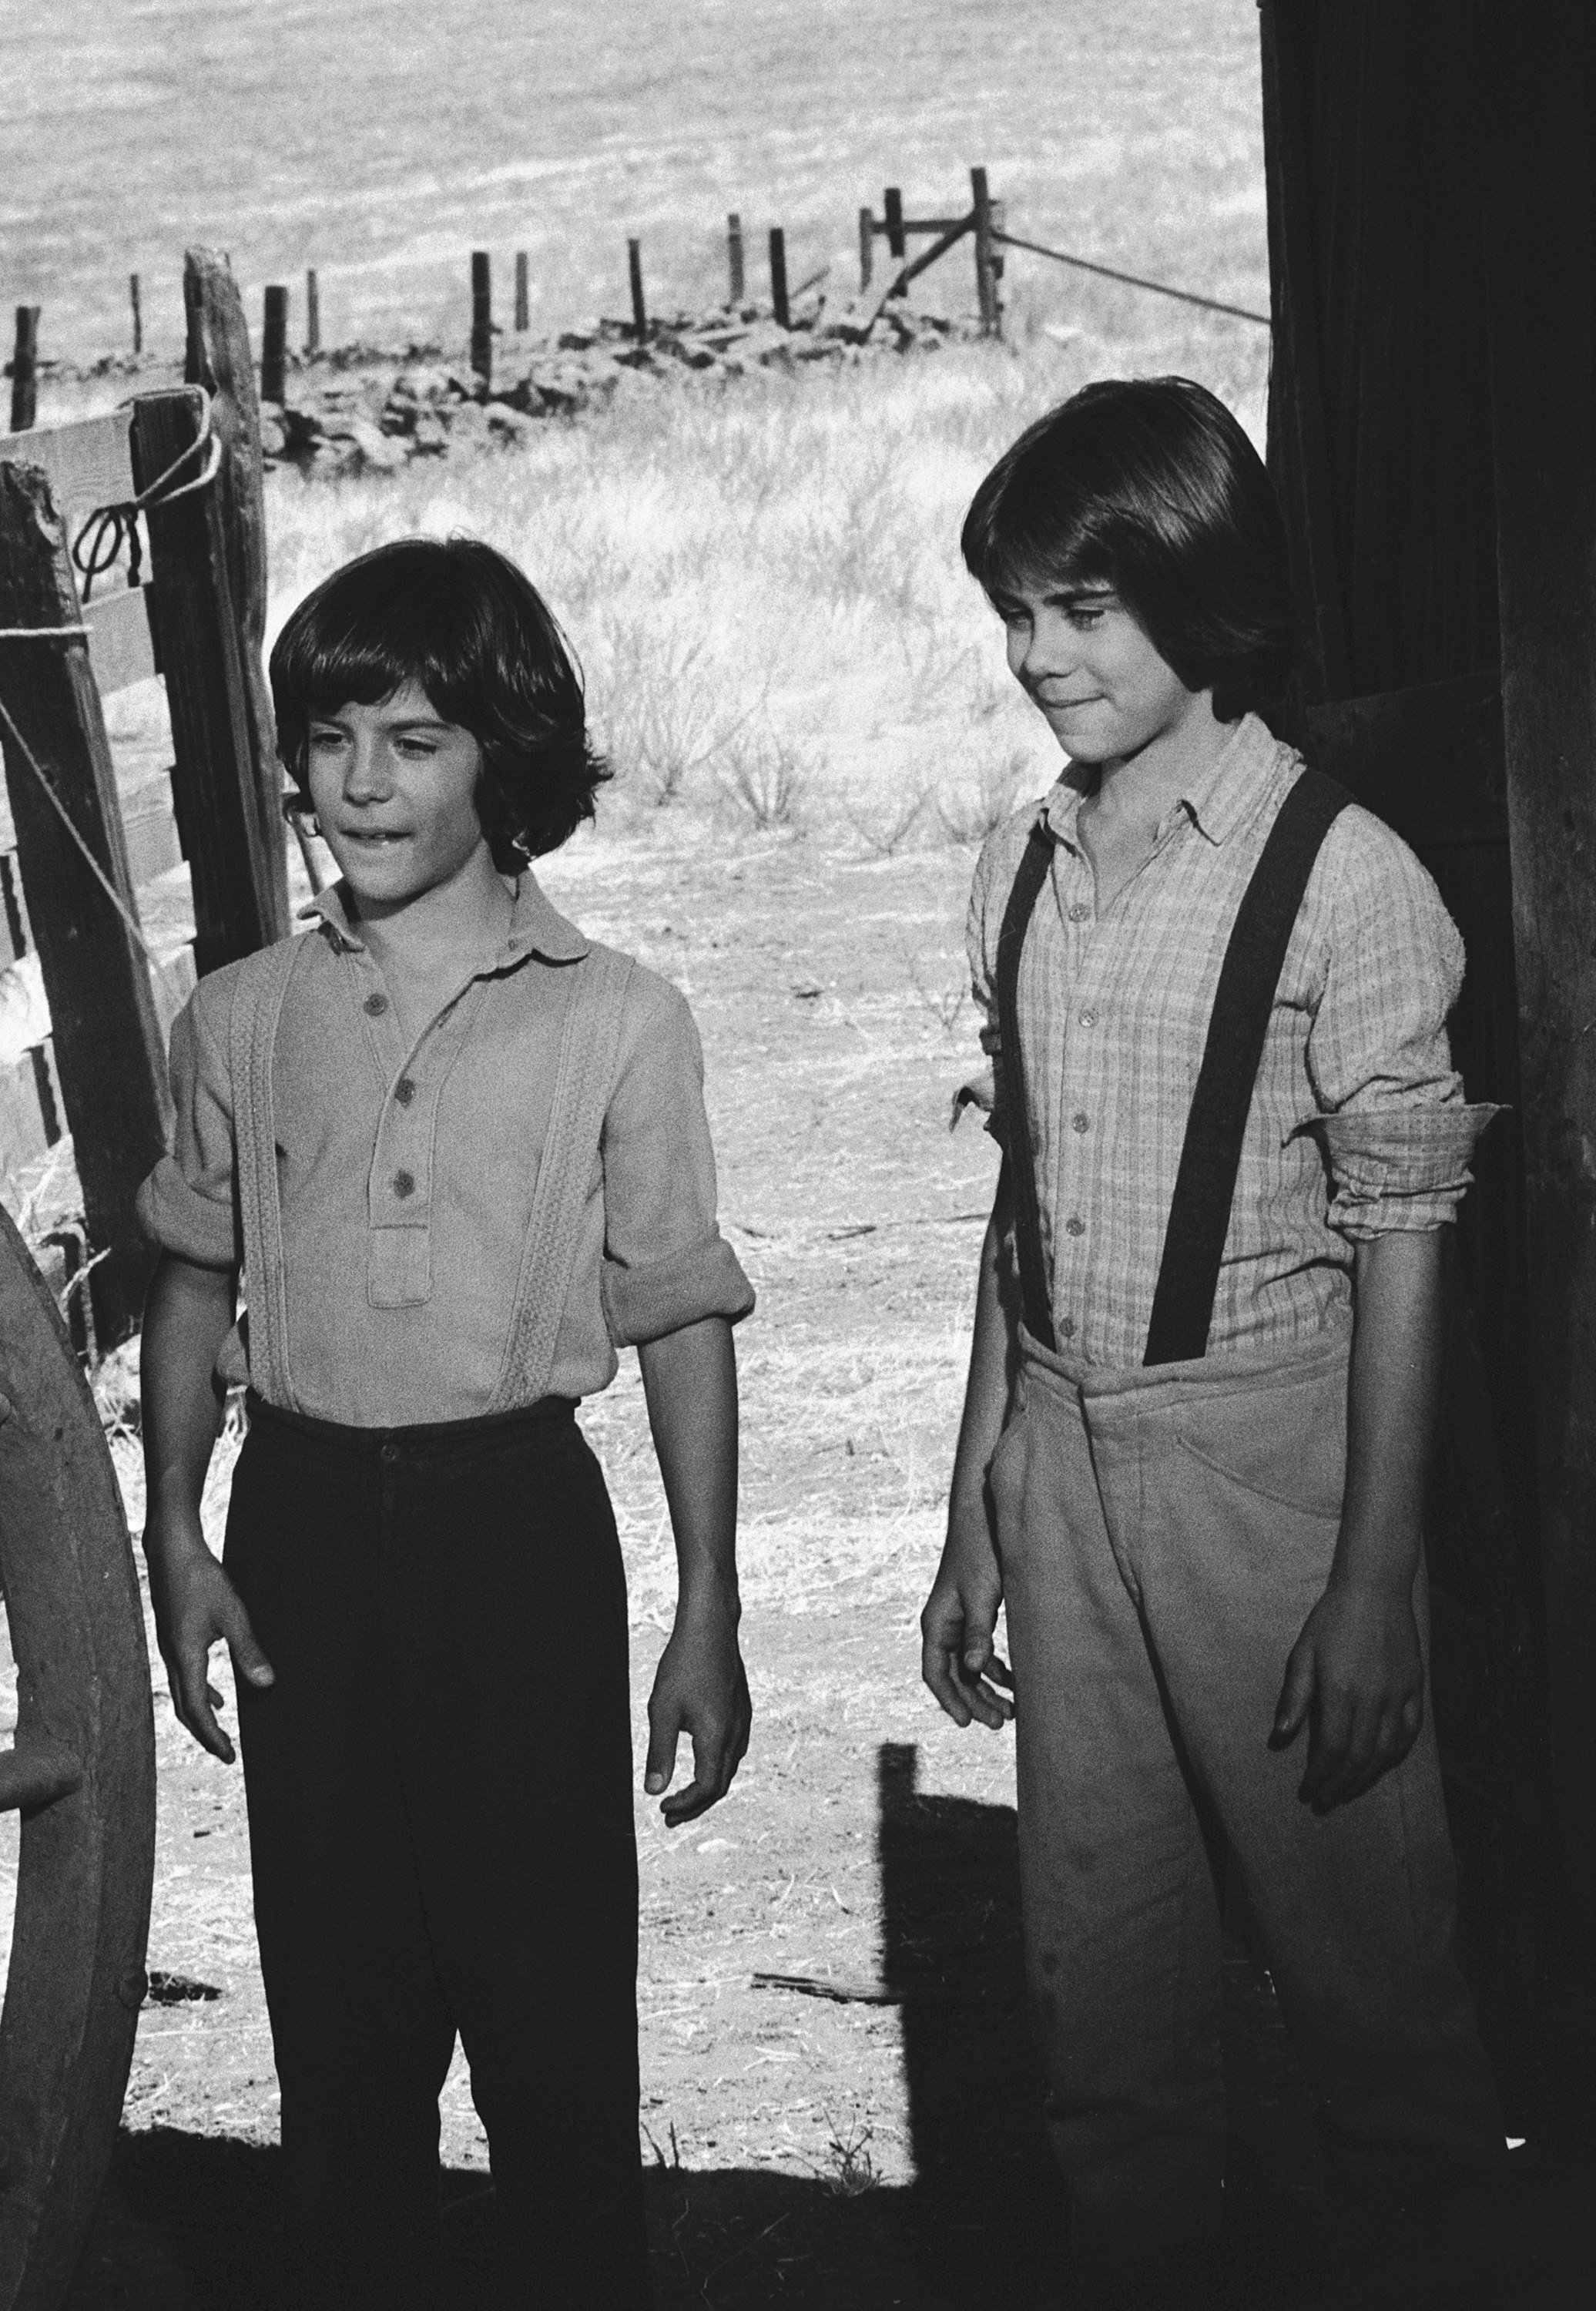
{"type": "Point", "coordinates": [866, 249]}
{"type": "Point", "coordinates": [96, 980]}
{"type": "Point", "coordinates": [1542, 290]}
{"type": "Point", "coordinates": [24, 387]}
{"type": "Point", "coordinates": [482, 315]}
{"type": "Point", "coordinates": [219, 360]}
{"type": "Point", "coordinates": [214, 786]}
{"type": "Point", "coordinates": [138, 316]}
{"type": "Point", "coordinates": [892, 204]}
{"type": "Point", "coordinates": [634, 274]}
{"type": "Point", "coordinates": [312, 312]}
{"type": "Point", "coordinates": [522, 292]}
{"type": "Point", "coordinates": [734, 258]}
{"type": "Point", "coordinates": [274, 346]}
{"type": "Point", "coordinates": [986, 277]}
{"type": "Point", "coordinates": [779, 306]}
{"type": "Point", "coordinates": [1299, 455]}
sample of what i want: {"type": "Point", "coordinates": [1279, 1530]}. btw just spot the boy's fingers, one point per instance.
{"type": "Point", "coordinates": [248, 1660]}
{"type": "Point", "coordinates": [662, 1756]}
{"type": "Point", "coordinates": [1296, 1696]}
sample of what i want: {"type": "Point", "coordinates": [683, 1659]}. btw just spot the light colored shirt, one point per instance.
{"type": "Point", "coordinates": [1357, 1124]}
{"type": "Point", "coordinates": [406, 1174]}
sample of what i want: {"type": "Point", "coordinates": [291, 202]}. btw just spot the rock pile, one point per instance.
{"type": "Point", "coordinates": [375, 417]}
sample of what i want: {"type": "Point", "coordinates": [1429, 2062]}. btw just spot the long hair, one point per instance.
{"type": "Point", "coordinates": [462, 621]}
{"type": "Point", "coordinates": [1149, 486]}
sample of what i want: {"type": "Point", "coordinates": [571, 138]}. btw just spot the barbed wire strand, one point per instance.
{"type": "Point", "coordinates": [1134, 280]}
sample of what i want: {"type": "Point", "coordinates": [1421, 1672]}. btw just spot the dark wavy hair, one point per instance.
{"type": "Point", "coordinates": [462, 621]}
{"type": "Point", "coordinates": [1150, 487]}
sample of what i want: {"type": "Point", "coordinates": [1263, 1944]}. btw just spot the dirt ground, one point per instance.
{"type": "Point", "coordinates": [882, 2146]}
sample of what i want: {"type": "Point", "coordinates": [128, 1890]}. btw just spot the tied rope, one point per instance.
{"type": "Point", "coordinates": [162, 971]}
{"type": "Point", "coordinates": [116, 525]}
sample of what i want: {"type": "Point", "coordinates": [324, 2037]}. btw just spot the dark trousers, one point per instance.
{"type": "Point", "coordinates": [440, 1828]}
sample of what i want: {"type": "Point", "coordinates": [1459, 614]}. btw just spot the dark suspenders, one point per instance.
{"type": "Point", "coordinates": [1211, 1152]}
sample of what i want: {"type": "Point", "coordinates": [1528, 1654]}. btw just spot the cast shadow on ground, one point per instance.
{"type": "Point", "coordinates": [186, 2220]}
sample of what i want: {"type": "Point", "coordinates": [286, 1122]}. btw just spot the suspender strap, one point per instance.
{"type": "Point", "coordinates": [584, 1078]}
{"type": "Point", "coordinates": [257, 1007]}
{"type": "Point", "coordinates": [1036, 1299]}
{"type": "Point", "coordinates": [1211, 1152]}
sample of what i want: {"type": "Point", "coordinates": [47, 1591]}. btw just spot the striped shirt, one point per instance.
{"type": "Point", "coordinates": [1358, 1125]}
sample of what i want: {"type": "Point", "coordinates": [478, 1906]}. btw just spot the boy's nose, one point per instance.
{"type": "Point", "coordinates": [367, 777]}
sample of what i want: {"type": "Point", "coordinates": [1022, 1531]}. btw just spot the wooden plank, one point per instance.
{"type": "Point", "coordinates": [219, 359]}
{"type": "Point", "coordinates": [121, 646]}
{"type": "Point", "coordinates": [1428, 759]}
{"type": "Point", "coordinates": [89, 461]}
{"type": "Point", "coordinates": [107, 1043]}
{"type": "Point", "coordinates": [1541, 249]}
{"type": "Point", "coordinates": [214, 786]}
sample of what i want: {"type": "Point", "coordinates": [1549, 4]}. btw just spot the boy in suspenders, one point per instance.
{"type": "Point", "coordinates": [1202, 1382]}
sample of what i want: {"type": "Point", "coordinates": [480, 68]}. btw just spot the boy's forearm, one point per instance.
{"type": "Point", "coordinates": [691, 1385]}
{"type": "Point", "coordinates": [987, 1388]}
{"type": "Point", "coordinates": [188, 1313]}
{"type": "Point", "coordinates": [1392, 1395]}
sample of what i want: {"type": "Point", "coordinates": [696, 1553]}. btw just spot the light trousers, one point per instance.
{"type": "Point", "coordinates": [1165, 1533]}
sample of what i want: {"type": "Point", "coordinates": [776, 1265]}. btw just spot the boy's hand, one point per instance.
{"type": "Point", "coordinates": [957, 1658]}
{"type": "Point", "coordinates": [197, 1607]}
{"type": "Point", "coordinates": [1356, 1677]}
{"type": "Point", "coordinates": [701, 1688]}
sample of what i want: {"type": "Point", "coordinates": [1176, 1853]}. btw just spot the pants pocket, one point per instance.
{"type": "Point", "coordinates": [1285, 1444]}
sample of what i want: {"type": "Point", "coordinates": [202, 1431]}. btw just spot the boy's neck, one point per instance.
{"type": "Point", "coordinates": [443, 932]}
{"type": "Point", "coordinates": [1141, 788]}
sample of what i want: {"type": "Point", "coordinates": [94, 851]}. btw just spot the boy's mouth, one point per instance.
{"type": "Point", "coordinates": [375, 837]}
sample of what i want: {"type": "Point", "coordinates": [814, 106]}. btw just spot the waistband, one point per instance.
{"type": "Point", "coordinates": [425, 1437]}
{"type": "Point", "coordinates": [1227, 1374]}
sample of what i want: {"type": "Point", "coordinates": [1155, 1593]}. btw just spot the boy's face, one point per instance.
{"type": "Point", "coordinates": [394, 789]}
{"type": "Point", "coordinates": [1088, 667]}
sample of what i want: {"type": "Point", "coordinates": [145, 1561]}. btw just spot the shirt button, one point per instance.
{"type": "Point", "coordinates": [1088, 1018]}
{"type": "Point", "coordinates": [390, 1453]}
{"type": "Point", "coordinates": [1080, 1123]}
{"type": "Point", "coordinates": [403, 1183]}
{"type": "Point", "coordinates": [405, 1091]}
{"type": "Point", "coordinates": [1074, 1225]}
{"type": "Point", "coordinates": [1066, 1327]}
{"type": "Point", "coordinates": [1079, 914]}
{"type": "Point", "coordinates": [375, 1005]}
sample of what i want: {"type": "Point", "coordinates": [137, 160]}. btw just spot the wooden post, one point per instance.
{"type": "Point", "coordinates": [892, 203]}
{"type": "Point", "coordinates": [107, 1040]}
{"type": "Point", "coordinates": [274, 348]}
{"type": "Point", "coordinates": [481, 316]}
{"type": "Point", "coordinates": [24, 387]}
{"type": "Point", "coordinates": [866, 249]}
{"type": "Point", "coordinates": [234, 874]}
{"type": "Point", "coordinates": [312, 312]}
{"type": "Point", "coordinates": [986, 286]}
{"type": "Point", "coordinates": [634, 267]}
{"type": "Point", "coordinates": [734, 257]}
{"type": "Point", "coordinates": [778, 277]}
{"type": "Point", "coordinates": [219, 360]}
{"type": "Point", "coordinates": [522, 294]}
{"type": "Point", "coordinates": [138, 317]}
{"type": "Point", "coordinates": [998, 214]}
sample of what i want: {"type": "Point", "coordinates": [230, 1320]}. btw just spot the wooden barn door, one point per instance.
{"type": "Point", "coordinates": [1384, 416]}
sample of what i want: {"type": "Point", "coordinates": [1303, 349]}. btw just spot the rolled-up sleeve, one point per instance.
{"type": "Point", "coordinates": [665, 1264]}
{"type": "Point", "coordinates": [188, 1203]}
{"type": "Point", "coordinates": [1396, 1132]}
{"type": "Point", "coordinates": [985, 1089]}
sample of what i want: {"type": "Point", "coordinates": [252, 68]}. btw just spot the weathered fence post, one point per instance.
{"type": "Point", "coordinates": [219, 361]}
{"type": "Point", "coordinates": [274, 348]}
{"type": "Point", "coordinates": [634, 269]}
{"type": "Point", "coordinates": [312, 312]}
{"type": "Point", "coordinates": [138, 317]}
{"type": "Point", "coordinates": [734, 257]}
{"type": "Point", "coordinates": [481, 316]}
{"type": "Point", "coordinates": [522, 293]}
{"type": "Point", "coordinates": [107, 1038]}
{"type": "Point", "coordinates": [985, 283]}
{"type": "Point", "coordinates": [24, 384]}
{"type": "Point", "coordinates": [866, 249]}
{"type": "Point", "coordinates": [778, 277]}
{"type": "Point", "coordinates": [892, 203]}
{"type": "Point", "coordinates": [235, 872]}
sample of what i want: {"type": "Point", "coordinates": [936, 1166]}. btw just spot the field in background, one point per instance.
{"type": "Point", "coordinates": [381, 142]}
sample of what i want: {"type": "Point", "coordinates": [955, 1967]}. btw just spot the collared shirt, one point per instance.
{"type": "Point", "coordinates": [1358, 1125]}
{"type": "Point", "coordinates": [407, 1171]}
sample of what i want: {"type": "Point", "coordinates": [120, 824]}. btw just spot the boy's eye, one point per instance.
{"type": "Point", "coordinates": [1086, 615]}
